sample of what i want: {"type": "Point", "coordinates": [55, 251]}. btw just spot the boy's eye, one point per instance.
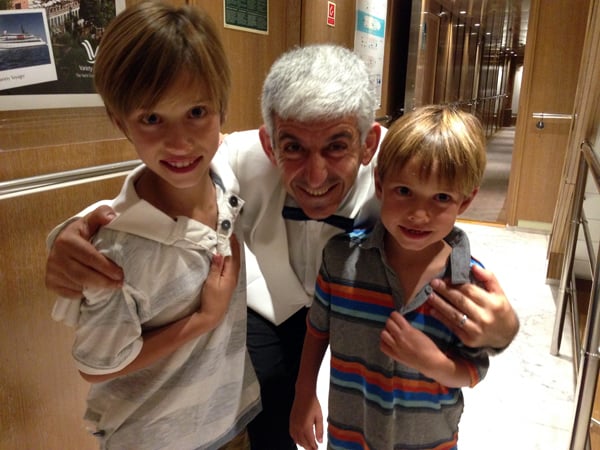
{"type": "Point", "coordinates": [443, 197]}
{"type": "Point", "coordinates": [197, 112]}
{"type": "Point", "coordinates": [403, 190]}
{"type": "Point", "coordinates": [151, 119]}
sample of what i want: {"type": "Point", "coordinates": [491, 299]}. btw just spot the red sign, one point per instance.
{"type": "Point", "coordinates": [331, 14]}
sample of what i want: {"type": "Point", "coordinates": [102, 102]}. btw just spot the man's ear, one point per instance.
{"type": "Point", "coordinates": [467, 201]}
{"type": "Point", "coordinates": [371, 143]}
{"type": "Point", "coordinates": [267, 144]}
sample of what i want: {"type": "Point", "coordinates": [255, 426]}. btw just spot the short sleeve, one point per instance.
{"type": "Point", "coordinates": [108, 336]}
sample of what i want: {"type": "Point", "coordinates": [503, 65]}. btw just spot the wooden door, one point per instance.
{"type": "Point", "coordinates": [552, 55]}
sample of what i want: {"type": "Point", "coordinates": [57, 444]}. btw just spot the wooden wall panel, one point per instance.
{"type": "Point", "coordinates": [251, 55]}
{"type": "Point", "coordinates": [314, 23]}
{"type": "Point", "coordinates": [42, 395]}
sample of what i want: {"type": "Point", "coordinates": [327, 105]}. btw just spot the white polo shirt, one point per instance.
{"type": "Point", "coordinates": [205, 392]}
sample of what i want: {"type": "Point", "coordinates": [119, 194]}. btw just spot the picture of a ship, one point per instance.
{"type": "Point", "coordinates": [19, 40]}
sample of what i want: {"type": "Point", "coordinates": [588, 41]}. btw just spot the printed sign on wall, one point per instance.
{"type": "Point", "coordinates": [369, 39]}
{"type": "Point", "coordinates": [244, 15]}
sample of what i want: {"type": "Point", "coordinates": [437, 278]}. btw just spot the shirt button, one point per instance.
{"type": "Point", "coordinates": [233, 201]}
{"type": "Point", "coordinates": [226, 225]}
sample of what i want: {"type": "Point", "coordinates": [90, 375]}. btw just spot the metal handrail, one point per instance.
{"type": "Point", "coordinates": [552, 116]}
{"type": "Point", "coordinates": [587, 359]}
{"type": "Point", "coordinates": [39, 183]}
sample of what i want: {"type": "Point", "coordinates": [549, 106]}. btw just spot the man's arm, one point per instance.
{"type": "Point", "coordinates": [490, 322]}
{"type": "Point", "coordinates": [73, 262]}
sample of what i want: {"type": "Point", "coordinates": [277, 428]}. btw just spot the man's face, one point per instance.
{"type": "Point", "coordinates": [319, 160]}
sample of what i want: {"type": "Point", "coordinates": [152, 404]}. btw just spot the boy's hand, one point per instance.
{"type": "Point", "coordinates": [480, 317]}
{"type": "Point", "coordinates": [220, 284]}
{"type": "Point", "coordinates": [306, 421]}
{"type": "Point", "coordinates": [74, 262]}
{"type": "Point", "coordinates": [408, 345]}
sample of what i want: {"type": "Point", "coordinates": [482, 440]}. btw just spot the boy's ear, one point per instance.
{"type": "Point", "coordinates": [371, 143]}
{"type": "Point", "coordinates": [378, 186]}
{"type": "Point", "coordinates": [467, 201]}
{"type": "Point", "coordinates": [116, 122]}
{"type": "Point", "coordinates": [267, 144]}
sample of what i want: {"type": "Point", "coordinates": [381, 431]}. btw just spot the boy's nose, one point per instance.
{"type": "Point", "coordinates": [176, 138]}
{"type": "Point", "coordinates": [418, 215]}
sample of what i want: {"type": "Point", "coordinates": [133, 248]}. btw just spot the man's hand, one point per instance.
{"type": "Point", "coordinates": [74, 262]}
{"type": "Point", "coordinates": [480, 317]}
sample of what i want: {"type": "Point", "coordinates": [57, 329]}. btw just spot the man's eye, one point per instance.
{"type": "Point", "coordinates": [151, 119]}
{"type": "Point", "coordinates": [197, 112]}
{"type": "Point", "coordinates": [338, 146]}
{"type": "Point", "coordinates": [292, 148]}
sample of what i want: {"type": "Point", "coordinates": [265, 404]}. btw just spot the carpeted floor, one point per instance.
{"type": "Point", "coordinates": [489, 205]}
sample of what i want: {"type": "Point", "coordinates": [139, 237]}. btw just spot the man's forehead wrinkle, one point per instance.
{"type": "Point", "coordinates": [345, 134]}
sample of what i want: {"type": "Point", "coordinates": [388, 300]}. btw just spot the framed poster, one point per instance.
{"type": "Point", "coordinates": [58, 72]}
{"type": "Point", "coordinates": [25, 51]}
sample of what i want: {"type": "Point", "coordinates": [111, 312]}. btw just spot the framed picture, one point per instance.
{"type": "Point", "coordinates": [47, 52]}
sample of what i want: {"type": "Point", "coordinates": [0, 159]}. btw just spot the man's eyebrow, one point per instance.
{"type": "Point", "coordinates": [342, 135]}
{"type": "Point", "coordinates": [286, 135]}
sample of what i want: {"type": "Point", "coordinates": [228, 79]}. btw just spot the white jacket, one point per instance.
{"type": "Point", "coordinates": [274, 290]}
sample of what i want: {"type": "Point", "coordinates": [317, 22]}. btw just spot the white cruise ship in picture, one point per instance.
{"type": "Point", "coordinates": [19, 40]}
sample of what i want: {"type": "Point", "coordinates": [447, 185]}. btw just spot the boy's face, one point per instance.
{"type": "Point", "coordinates": [418, 212]}
{"type": "Point", "coordinates": [179, 136]}
{"type": "Point", "coordinates": [319, 160]}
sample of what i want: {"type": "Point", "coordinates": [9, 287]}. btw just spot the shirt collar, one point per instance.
{"type": "Point", "coordinates": [459, 266]}
{"type": "Point", "coordinates": [137, 216]}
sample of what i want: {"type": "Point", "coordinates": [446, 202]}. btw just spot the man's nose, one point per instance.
{"type": "Point", "coordinates": [316, 170]}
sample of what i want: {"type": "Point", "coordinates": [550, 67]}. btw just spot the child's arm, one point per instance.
{"type": "Point", "coordinates": [306, 418]}
{"type": "Point", "coordinates": [215, 296]}
{"type": "Point", "coordinates": [410, 346]}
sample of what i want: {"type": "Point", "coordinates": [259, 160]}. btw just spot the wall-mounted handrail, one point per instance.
{"type": "Point", "coordinates": [39, 183]}
{"type": "Point", "coordinates": [551, 116]}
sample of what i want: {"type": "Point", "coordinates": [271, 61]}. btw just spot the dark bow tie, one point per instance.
{"type": "Point", "coordinates": [345, 223]}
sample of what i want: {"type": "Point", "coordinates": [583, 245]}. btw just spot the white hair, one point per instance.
{"type": "Point", "coordinates": [318, 82]}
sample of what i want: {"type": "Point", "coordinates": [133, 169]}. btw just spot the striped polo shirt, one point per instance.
{"type": "Point", "coordinates": [376, 402]}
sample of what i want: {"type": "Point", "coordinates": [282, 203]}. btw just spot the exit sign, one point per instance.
{"type": "Point", "coordinates": [331, 14]}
